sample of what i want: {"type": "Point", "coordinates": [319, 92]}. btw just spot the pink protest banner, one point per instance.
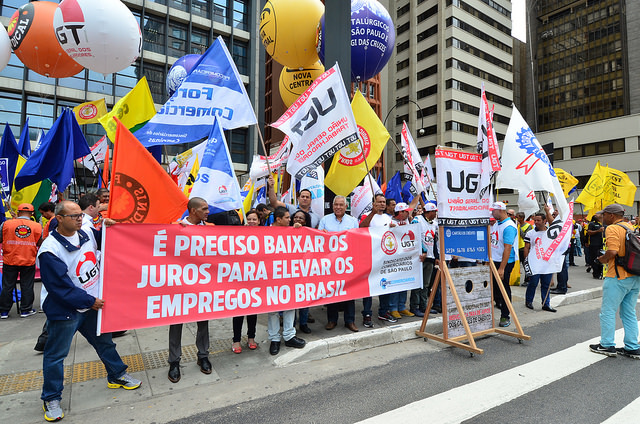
{"type": "Point", "coordinates": [156, 275]}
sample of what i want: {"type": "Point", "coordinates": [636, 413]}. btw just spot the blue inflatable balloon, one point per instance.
{"type": "Point", "coordinates": [179, 71]}
{"type": "Point", "coordinates": [373, 37]}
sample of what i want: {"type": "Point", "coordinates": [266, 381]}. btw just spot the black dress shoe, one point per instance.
{"type": "Point", "coordinates": [555, 291]}
{"type": "Point", "coordinates": [311, 319]}
{"type": "Point", "coordinates": [529, 305]}
{"type": "Point", "coordinates": [548, 308]}
{"type": "Point", "coordinates": [274, 349]}
{"type": "Point", "coordinates": [296, 342]}
{"type": "Point", "coordinates": [174, 371]}
{"type": "Point", "coordinates": [305, 329]}
{"type": "Point", "coordinates": [205, 365]}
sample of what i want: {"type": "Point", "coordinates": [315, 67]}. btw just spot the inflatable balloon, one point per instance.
{"type": "Point", "coordinates": [5, 47]}
{"type": "Point", "coordinates": [103, 36]}
{"type": "Point", "coordinates": [372, 39]}
{"type": "Point", "coordinates": [34, 41]}
{"type": "Point", "coordinates": [288, 31]}
{"type": "Point", "coordinates": [294, 82]}
{"type": "Point", "coordinates": [179, 71]}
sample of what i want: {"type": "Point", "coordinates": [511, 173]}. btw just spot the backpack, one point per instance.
{"type": "Point", "coordinates": [631, 260]}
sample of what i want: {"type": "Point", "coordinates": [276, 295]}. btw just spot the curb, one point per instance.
{"type": "Point", "coordinates": [340, 345]}
{"type": "Point", "coordinates": [576, 297]}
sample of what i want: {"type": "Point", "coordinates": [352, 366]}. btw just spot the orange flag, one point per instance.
{"type": "Point", "coordinates": [105, 170]}
{"type": "Point", "coordinates": [141, 190]}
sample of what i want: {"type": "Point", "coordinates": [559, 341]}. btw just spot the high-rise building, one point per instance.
{"type": "Point", "coordinates": [445, 51]}
{"type": "Point", "coordinates": [588, 103]}
{"type": "Point", "coordinates": [170, 29]}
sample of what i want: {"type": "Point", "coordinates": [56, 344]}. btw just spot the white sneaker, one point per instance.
{"type": "Point", "coordinates": [53, 410]}
{"type": "Point", "coordinates": [125, 381]}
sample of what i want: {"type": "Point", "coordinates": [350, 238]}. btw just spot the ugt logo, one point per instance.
{"type": "Point", "coordinates": [468, 183]}
{"type": "Point", "coordinates": [310, 119]}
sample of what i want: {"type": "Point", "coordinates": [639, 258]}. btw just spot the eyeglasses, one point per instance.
{"type": "Point", "coordinates": [76, 216]}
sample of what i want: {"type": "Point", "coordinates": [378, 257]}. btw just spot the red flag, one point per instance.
{"type": "Point", "coordinates": [141, 190]}
{"type": "Point", "coordinates": [105, 170]}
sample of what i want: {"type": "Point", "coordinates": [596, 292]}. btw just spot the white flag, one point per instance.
{"type": "Point", "coordinates": [546, 254]}
{"type": "Point", "coordinates": [362, 197]}
{"type": "Point", "coordinates": [525, 166]}
{"type": "Point", "coordinates": [314, 182]}
{"type": "Point", "coordinates": [98, 153]}
{"type": "Point", "coordinates": [182, 164]}
{"type": "Point", "coordinates": [487, 144]}
{"type": "Point", "coordinates": [259, 165]}
{"type": "Point", "coordinates": [528, 203]}
{"type": "Point", "coordinates": [319, 123]}
{"type": "Point", "coordinates": [413, 165]}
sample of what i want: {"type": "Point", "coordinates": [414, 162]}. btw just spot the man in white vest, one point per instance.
{"type": "Point", "coordinates": [504, 235]}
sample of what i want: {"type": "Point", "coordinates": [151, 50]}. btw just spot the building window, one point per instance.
{"type": "Point", "coordinates": [431, 70]}
{"type": "Point", "coordinates": [428, 33]}
{"type": "Point", "coordinates": [558, 154]}
{"type": "Point", "coordinates": [177, 39]}
{"type": "Point", "coordinates": [126, 80]}
{"type": "Point", "coordinates": [220, 11]}
{"type": "Point", "coordinates": [154, 33]}
{"type": "Point", "coordinates": [99, 83]}
{"type": "Point", "coordinates": [402, 64]}
{"type": "Point", "coordinates": [10, 6]}
{"type": "Point", "coordinates": [156, 76]}
{"type": "Point", "coordinates": [10, 111]}
{"type": "Point", "coordinates": [240, 56]}
{"type": "Point", "coordinates": [179, 4]}
{"type": "Point", "coordinates": [429, 91]}
{"type": "Point", "coordinates": [402, 46]}
{"type": "Point", "coordinates": [40, 112]}
{"type": "Point", "coordinates": [402, 83]}
{"type": "Point", "coordinates": [77, 81]}
{"type": "Point", "coordinates": [201, 8]}
{"type": "Point", "coordinates": [199, 41]}
{"type": "Point", "coordinates": [428, 52]}
{"type": "Point", "coordinates": [599, 148]}
{"type": "Point", "coordinates": [238, 145]}
{"type": "Point", "coordinates": [403, 10]}
{"type": "Point", "coordinates": [240, 15]}
{"type": "Point", "coordinates": [427, 14]}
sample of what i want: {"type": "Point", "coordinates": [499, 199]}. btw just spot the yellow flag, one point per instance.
{"type": "Point", "coordinates": [567, 181]}
{"type": "Point", "coordinates": [90, 112]}
{"type": "Point", "coordinates": [348, 167]}
{"type": "Point", "coordinates": [27, 194]}
{"type": "Point", "coordinates": [592, 195]}
{"type": "Point", "coordinates": [192, 177]}
{"type": "Point", "coordinates": [246, 203]}
{"type": "Point", "coordinates": [133, 110]}
{"type": "Point", "coordinates": [618, 188]}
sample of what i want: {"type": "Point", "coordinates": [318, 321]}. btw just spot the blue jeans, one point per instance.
{"type": "Point", "coordinates": [563, 276]}
{"type": "Point", "coordinates": [383, 307]}
{"type": "Point", "coordinates": [622, 294]}
{"type": "Point", "coordinates": [402, 301]}
{"type": "Point", "coordinates": [273, 325]}
{"type": "Point", "coordinates": [57, 348]}
{"type": "Point", "coordinates": [545, 282]}
{"type": "Point", "coordinates": [349, 311]}
{"type": "Point", "coordinates": [303, 316]}
{"type": "Point", "coordinates": [366, 306]}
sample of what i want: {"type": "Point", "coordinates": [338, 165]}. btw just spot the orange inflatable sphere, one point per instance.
{"type": "Point", "coordinates": [34, 41]}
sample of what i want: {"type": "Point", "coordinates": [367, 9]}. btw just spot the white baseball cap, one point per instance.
{"type": "Point", "coordinates": [499, 206]}
{"type": "Point", "coordinates": [428, 207]}
{"type": "Point", "coordinates": [402, 207]}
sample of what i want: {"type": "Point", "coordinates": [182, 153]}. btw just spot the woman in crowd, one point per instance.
{"type": "Point", "coordinates": [302, 219]}
{"type": "Point", "coordinates": [252, 220]}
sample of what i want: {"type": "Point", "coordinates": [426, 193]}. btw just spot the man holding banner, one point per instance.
{"type": "Point", "coordinates": [503, 253]}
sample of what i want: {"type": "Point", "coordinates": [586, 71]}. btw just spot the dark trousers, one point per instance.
{"type": "Point", "coordinates": [497, 294]}
{"type": "Point", "coordinates": [251, 327]}
{"type": "Point", "coordinates": [349, 311]}
{"type": "Point", "coordinates": [9, 280]}
{"type": "Point", "coordinates": [596, 267]}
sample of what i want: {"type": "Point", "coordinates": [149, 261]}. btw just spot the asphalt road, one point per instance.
{"type": "Point", "coordinates": [423, 370]}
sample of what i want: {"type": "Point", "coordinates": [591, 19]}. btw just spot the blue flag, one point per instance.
{"type": "Point", "coordinates": [8, 158]}
{"type": "Point", "coordinates": [394, 188]}
{"type": "Point", "coordinates": [216, 181]}
{"type": "Point", "coordinates": [407, 197]}
{"type": "Point", "coordinates": [24, 147]}
{"type": "Point", "coordinates": [212, 88]}
{"type": "Point", "coordinates": [53, 157]}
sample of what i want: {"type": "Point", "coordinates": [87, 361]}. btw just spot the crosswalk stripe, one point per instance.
{"type": "Point", "coordinates": [628, 414]}
{"type": "Point", "coordinates": [497, 389]}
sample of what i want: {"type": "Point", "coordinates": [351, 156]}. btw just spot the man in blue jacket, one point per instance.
{"type": "Point", "coordinates": [69, 266]}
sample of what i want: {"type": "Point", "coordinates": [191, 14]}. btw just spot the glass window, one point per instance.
{"type": "Point", "coordinates": [153, 34]}
{"type": "Point", "coordinates": [199, 41]}
{"type": "Point", "coordinates": [240, 15]}
{"type": "Point", "coordinates": [40, 113]}
{"type": "Point", "coordinates": [177, 39]}
{"type": "Point", "coordinates": [10, 108]}
{"type": "Point", "coordinates": [200, 8]}
{"type": "Point", "coordinates": [156, 76]}
{"type": "Point", "coordinates": [126, 80]}
{"type": "Point", "coordinates": [179, 4]}
{"type": "Point", "coordinates": [239, 54]}
{"type": "Point", "coordinates": [99, 83]}
{"type": "Point", "coordinates": [238, 145]}
{"type": "Point", "coordinates": [36, 77]}
{"type": "Point", "coordinates": [220, 11]}
{"type": "Point", "coordinates": [10, 6]}
{"type": "Point", "coordinates": [14, 69]}
{"type": "Point", "coordinates": [76, 81]}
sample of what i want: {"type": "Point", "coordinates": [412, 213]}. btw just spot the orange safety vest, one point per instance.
{"type": "Point", "coordinates": [19, 241]}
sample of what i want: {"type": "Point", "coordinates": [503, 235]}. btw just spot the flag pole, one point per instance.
{"type": "Point", "coordinates": [366, 165]}
{"type": "Point", "coordinates": [264, 147]}
{"type": "Point", "coordinates": [404, 160]}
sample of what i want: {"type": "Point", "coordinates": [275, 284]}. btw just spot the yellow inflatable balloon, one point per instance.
{"type": "Point", "coordinates": [288, 31]}
{"type": "Point", "coordinates": [294, 82]}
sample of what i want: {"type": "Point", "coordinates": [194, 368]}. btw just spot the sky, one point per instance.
{"type": "Point", "coordinates": [518, 19]}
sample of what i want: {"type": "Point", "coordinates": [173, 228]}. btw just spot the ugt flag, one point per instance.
{"type": "Point", "coordinates": [216, 181]}
{"type": "Point", "coordinates": [319, 123]}
{"type": "Point", "coordinates": [487, 144]}
{"type": "Point", "coordinates": [213, 88]}
{"type": "Point", "coordinates": [413, 165]}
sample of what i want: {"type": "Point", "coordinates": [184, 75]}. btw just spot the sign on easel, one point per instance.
{"type": "Point", "coordinates": [467, 293]}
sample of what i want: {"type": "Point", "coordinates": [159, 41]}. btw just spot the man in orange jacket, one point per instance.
{"type": "Point", "coordinates": [20, 238]}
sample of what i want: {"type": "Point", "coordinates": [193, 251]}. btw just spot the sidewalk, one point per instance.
{"type": "Point", "coordinates": [145, 351]}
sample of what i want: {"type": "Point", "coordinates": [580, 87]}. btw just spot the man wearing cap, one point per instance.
{"type": "Point", "coordinates": [503, 237]}
{"type": "Point", "coordinates": [429, 235]}
{"type": "Point", "coordinates": [619, 290]}
{"type": "Point", "coordinates": [596, 242]}
{"type": "Point", "coordinates": [398, 301]}
{"type": "Point", "coordinates": [20, 238]}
